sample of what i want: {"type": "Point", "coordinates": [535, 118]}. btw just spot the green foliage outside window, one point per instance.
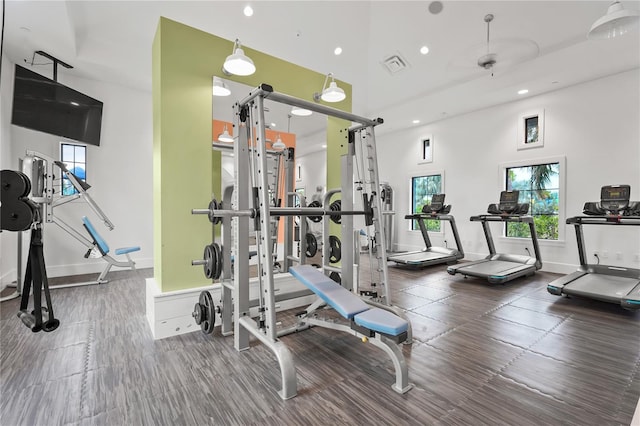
{"type": "Point", "coordinates": [539, 186]}
{"type": "Point", "coordinates": [422, 189]}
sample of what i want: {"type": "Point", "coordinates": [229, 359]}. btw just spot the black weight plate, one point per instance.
{"type": "Point", "coordinates": [217, 265]}
{"type": "Point", "coordinates": [336, 277]}
{"type": "Point", "coordinates": [315, 204]}
{"type": "Point", "coordinates": [312, 245]}
{"type": "Point", "coordinates": [17, 215]}
{"type": "Point", "coordinates": [14, 185]}
{"type": "Point", "coordinates": [336, 206]}
{"type": "Point", "coordinates": [209, 320]}
{"type": "Point", "coordinates": [198, 313]}
{"type": "Point", "coordinates": [208, 256]}
{"type": "Point", "coordinates": [50, 325]}
{"type": "Point", "coordinates": [335, 249]}
{"type": "Point", "coordinates": [213, 206]}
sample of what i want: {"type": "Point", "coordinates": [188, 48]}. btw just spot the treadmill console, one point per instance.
{"type": "Point", "coordinates": [614, 200]}
{"type": "Point", "coordinates": [509, 204]}
{"type": "Point", "coordinates": [436, 206]}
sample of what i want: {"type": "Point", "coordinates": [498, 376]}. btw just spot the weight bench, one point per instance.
{"type": "Point", "coordinates": [103, 249]}
{"type": "Point", "coordinates": [375, 325]}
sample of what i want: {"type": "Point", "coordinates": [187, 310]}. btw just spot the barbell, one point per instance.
{"type": "Point", "coordinates": [311, 212]}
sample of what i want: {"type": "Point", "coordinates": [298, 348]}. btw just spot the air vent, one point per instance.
{"type": "Point", "coordinates": [395, 63]}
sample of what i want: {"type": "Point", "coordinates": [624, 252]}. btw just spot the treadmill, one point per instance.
{"type": "Point", "coordinates": [499, 268]}
{"type": "Point", "coordinates": [431, 255]}
{"type": "Point", "coordinates": [612, 284]}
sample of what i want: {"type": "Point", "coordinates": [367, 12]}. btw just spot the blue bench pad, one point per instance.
{"type": "Point", "coordinates": [104, 248]}
{"type": "Point", "coordinates": [348, 304]}
{"type": "Point", "coordinates": [382, 321]}
{"type": "Point", "coordinates": [339, 298]}
{"type": "Point", "coordinates": [125, 250]}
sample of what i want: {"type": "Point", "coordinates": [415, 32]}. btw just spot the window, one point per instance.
{"type": "Point", "coordinates": [539, 185]}
{"type": "Point", "coordinates": [422, 189]}
{"type": "Point", "coordinates": [75, 159]}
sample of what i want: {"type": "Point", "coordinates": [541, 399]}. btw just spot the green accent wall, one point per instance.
{"type": "Point", "coordinates": [186, 172]}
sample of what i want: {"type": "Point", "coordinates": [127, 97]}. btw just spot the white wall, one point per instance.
{"type": "Point", "coordinates": [594, 125]}
{"type": "Point", "coordinates": [8, 240]}
{"type": "Point", "coordinates": [313, 168]}
{"type": "Point", "coordinates": [119, 171]}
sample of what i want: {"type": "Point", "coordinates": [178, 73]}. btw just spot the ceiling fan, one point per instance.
{"type": "Point", "coordinates": [501, 53]}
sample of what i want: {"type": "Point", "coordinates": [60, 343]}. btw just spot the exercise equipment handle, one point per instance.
{"type": "Point", "coordinates": [27, 319]}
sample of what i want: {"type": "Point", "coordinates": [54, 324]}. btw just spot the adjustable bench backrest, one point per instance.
{"type": "Point", "coordinates": [97, 239]}
{"type": "Point", "coordinates": [348, 304]}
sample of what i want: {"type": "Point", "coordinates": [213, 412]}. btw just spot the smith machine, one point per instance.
{"type": "Point", "coordinates": [371, 317]}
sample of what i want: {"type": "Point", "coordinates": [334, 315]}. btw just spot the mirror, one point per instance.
{"type": "Point", "coordinates": [309, 131]}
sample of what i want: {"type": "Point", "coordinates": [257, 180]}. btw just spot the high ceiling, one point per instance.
{"type": "Point", "coordinates": [111, 41]}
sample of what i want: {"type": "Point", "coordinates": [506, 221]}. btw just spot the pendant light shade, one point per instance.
{"type": "Point", "coordinates": [238, 63]}
{"type": "Point", "coordinates": [333, 93]}
{"type": "Point", "coordinates": [225, 136]}
{"type": "Point", "coordinates": [301, 112]}
{"type": "Point", "coordinates": [616, 22]}
{"type": "Point", "coordinates": [220, 88]}
{"type": "Point", "coordinates": [278, 144]}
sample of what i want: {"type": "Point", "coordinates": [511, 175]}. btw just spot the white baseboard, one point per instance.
{"type": "Point", "coordinates": [95, 266]}
{"type": "Point", "coordinates": [7, 278]}
{"type": "Point", "coordinates": [169, 313]}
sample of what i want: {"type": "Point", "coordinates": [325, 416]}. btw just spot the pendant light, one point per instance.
{"type": "Point", "coordinates": [278, 144]}
{"type": "Point", "coordinates": [238, 63]}
{"type": "Point", "coordinates": [220, 88]}
{"type": "Point", "coordinates": [333, 93]}
{"type": "Point", "coordinates": [616, 22]}
{"type": "Point", "coordinates": [225, 136]}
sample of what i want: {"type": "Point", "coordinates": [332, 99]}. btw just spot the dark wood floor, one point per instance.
{"type": "Point", "coordinates": [509, 354]}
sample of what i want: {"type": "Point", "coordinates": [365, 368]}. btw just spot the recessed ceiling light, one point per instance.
{"type": "Point", "coordinates": [248, 11]}
{"type": "Point", "coordinates": [523, 91]}
{"type": "Point", "coordinates": [324, 145]}
{"type": "Point", "coordinates": [424, 50]}
{"type": "Point", "coordinates": [415, 121]}
{"type": "Point", "coordinates": [75, 103]}
{"type": "Point", "coordinates": [337, 50]}
{"type": "Point", "coordinates": [273, 124]}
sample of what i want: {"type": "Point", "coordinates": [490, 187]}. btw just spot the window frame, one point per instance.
{"type": "Point", "coordinates": [86, 162]}
{"type": "Point", "coordinates": [561, 160]}
{"type": "Point", "coordinates": [419, 174]}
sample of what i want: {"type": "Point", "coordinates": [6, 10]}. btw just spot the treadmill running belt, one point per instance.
{"type": "Point", "coordinates": [416, 257]}
{"type": "Point", "coordinates": [494, 267]}
{"type": "Point", "coordinates": [600, 285]}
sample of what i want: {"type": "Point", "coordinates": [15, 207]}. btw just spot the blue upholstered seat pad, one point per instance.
{"type": "Point", "coordinates": [348, 304]}
{"type": "Point", "coordinates": [125, 250]}
{"type": "Point", "coordinates": [104, 248]}
{"type": "Point", "coordinates": [382, 321]}
{"type": "Point", "coordinates": [339, 298]}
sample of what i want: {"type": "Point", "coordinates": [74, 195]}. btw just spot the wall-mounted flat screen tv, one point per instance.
{"type": "Point", "coordinates": [42, 104]}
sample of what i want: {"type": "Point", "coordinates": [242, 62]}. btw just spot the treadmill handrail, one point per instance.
{"type": "Point", "coordinates": [501, 218]}
{"type": "Point", "coordinates": [528, 219]}
{"type": "Point", "coordinates": [438, 216]}
{"type": "Point", "coordinates": [604, 220]}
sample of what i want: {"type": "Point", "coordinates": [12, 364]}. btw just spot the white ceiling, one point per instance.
{"type": "Point", "coordinates": [111, 41]}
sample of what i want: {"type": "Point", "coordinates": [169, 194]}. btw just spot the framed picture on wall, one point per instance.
{"type": "Point", "coordinates": [531, 130]}
{"type": "Point", "coordinates": [426, 150]}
